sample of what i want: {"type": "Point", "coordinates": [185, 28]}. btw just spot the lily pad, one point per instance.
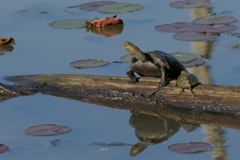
{"type": "Point", "coordinates": [184, 56]}
{"type": "Point", "coordinates": [116, 8]}
{"type": "Point", "coordinates": [192, 147]}
{"type": "Point", "coordinates": [88, 63]}
{"type": "Point", "coordinates": [3, 148]}
{"type": "Point", "coordinates": [92, 6]}
{"type": "Point", "coordinates": [195, 62]}
{"type": "Point", "coordinates": [111, 144]}
{"type": "Point", "coordinates": [70, 23]}
{"type": "Point", "coordinates": [186, 26]}
{"type": "Point", "coordinates": [126, 58]}
{"type": "Point", "coordinates": [190, 3]}
{"type": "Point", "coordinates": [47, 129]}
{"type": "Point", "coordinates": [215, 19]}
{"type": "Point", "coordinates": [175, 27]}
{"type": "Point", "coordinates": [234, 46]}
{"type": "Point", "coordinates": [196, 36]}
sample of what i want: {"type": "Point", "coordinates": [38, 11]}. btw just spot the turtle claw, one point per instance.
{"type": "Point", "coordinates": [133, 80]}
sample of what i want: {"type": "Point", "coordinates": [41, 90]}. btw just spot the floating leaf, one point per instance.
{"type": "Point", "coordinates": [88, 63]}
{"type": "Point", "coordinates": [54, 142]}
{"type": "Point", "coordinates": [116, 8]}
{"type": "Point", "coordinates": [175, 27]}
{"type": "Point", "coordinates": [137, 148]}
{"type": "Point", "coordinates": [186, 26]}
{"type": "Point", "coordinates": [190, 3]}
{"type": "Point", "coordinates": [92, 6]}
{"type": "Point", "coordinates": [118, 144]}
{"type": "Point", "coordinates": [111, 144]}
{"type": "Point", "coordinates": [195, 62]}
{"type": "Point", "coordinates": [3, 148]}
{"type": "Point", "coordinates": [192, 147]}
{"type": "Point", "coordinates": [184, 56]}
{"type": "Point", "coordinates": [126, 58]}
{"type": "Point", "coordinates": [69, 23]}
{"type": "Point", "coordinates": [47, 129]}
{"type": "Point", "coordinates": [107, 21]}
{"type": "Point", "coordinates": [215, 19]}
{"type": "Point", "coordinates": [196, 36]}
{"type": "Point", "coordinates": [210, 14]}
{"type": "Point", "coordinates": [99, 143]}
{"type": "Point", "coordinates": [234, 46]}
{"type": "Point", "coordinates": [7, 41]}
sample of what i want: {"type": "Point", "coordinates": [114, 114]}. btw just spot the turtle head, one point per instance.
{"type": "Point", "coordinates": [134, 50]}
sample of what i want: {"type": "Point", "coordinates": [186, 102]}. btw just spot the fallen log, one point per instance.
{"type": "Point", "coordinates": [142, 97]}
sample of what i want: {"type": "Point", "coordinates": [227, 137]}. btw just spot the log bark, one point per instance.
{"type": "Point", "coordinates": [144, 97]}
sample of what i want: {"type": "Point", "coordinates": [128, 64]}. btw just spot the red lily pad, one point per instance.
{"type": "Point", "coordinates": [196, 36]}
{"type": "Point", "coordinates": [195, 62]}
{"type": "Point", "coordinates": [70, 23]}
{"type": "Point", "coordinates": [186, 26]}
{"type": "Point", "coordinates": [117, 8]}
{"type": "Point", "coordinates": [215, 19]}
{"type": "Point", "coordinates": [184, 56]}
{"type": "Point", "coordinates": [190, 3]}
{"type": "Point", "coordinates": [47, 129]}
{"type": "Point", "coordinates": [192, 147]}
{"type": "Point", "coordinates": [3, 148]}
{"type": "Point", "coordinates": [88, 63]}
{"type": "Point", "coordinates": [126, 58]}
{"type": "Point", "coordinates": [92, 6]}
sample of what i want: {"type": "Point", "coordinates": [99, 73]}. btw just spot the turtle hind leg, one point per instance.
{"type": "Point", "coordinates": [130, 74]}
{"type": "Point", "coordinates": [191, 89]}
{"type": "Point", "coordinates": [181, 90]}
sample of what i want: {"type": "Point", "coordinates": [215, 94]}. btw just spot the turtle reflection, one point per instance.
{"type": "Point", "coordinates": [155, 129]}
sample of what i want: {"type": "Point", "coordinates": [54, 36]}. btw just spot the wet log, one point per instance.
{"type": "Point", "coordinates": [215, 105]}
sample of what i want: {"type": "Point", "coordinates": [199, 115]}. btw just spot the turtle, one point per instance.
{"type": "Point", "coordinates": [152, 64]}
{"type": "Point", "coordinates": [187, 81]}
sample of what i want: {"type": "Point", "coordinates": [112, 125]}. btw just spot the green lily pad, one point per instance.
{"type": "Point", "coordinates": [116, 8]}
{"type": "Point", "coordinates": [184, 56]}
{"type": "Point", "coordinates": [195, 62]}
{"type": "Point", "coordinates": [186, 26]}
{"type": "Point", "coordinates": [190, 3]}
{"type": "Point", "coordinates": [88, 63]}
{"type": "Point", "coordinates": [70, 23]}
{"type": "Point", "coordinates": [191, 147]}
{"type": "Point", "coordinates": [92, 6]}
{"type": "Point", "coordinates": [234, 46]}
{"type": "Point", "coordinates": [126, 58]}
{"type": "Point", "coordinates": [196, 36]}
{"type": "Point", "coordinates": [215, 19]}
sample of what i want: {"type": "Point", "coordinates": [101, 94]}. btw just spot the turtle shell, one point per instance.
{"type": "Point", "coordinates": [187, 80]}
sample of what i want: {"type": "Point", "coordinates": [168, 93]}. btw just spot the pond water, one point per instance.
{"type": "Point", "coordinates": [41, 49]}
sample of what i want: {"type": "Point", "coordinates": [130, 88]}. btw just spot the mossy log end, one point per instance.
{"type": "Point", "coordinates": [144, 97]}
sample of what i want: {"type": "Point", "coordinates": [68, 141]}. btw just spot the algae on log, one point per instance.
{"type": "Point", "coordinates": [142, 97]}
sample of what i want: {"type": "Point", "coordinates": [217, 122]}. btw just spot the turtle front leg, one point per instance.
{"type": "Point", "coordinates": [164, 79]}
{"type": "Point", "coordinates": [130, 73]}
